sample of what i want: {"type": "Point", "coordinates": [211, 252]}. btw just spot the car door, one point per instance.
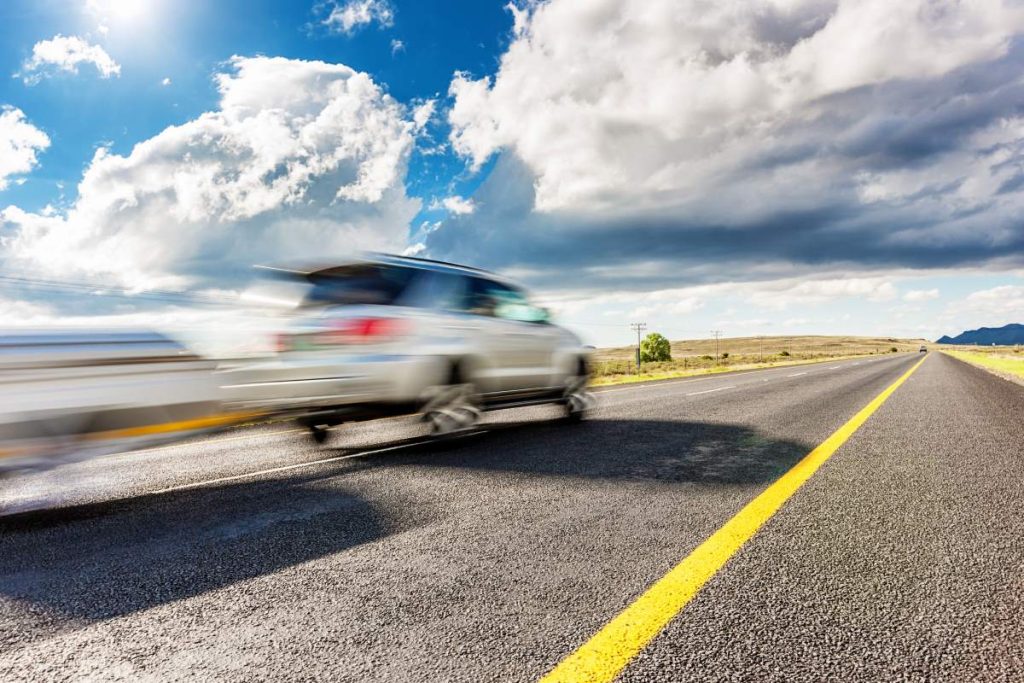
{"type": "Point", "coordinates": [523, 345]}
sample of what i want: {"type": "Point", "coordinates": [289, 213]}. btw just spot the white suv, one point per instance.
{"type": "Point", "coordinates": [391, 335]}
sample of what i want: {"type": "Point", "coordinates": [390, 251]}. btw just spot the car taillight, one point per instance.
{"type": "Point", "coordinates": [363, 331]}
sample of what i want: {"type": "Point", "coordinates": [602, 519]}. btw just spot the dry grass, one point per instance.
{"type": "Point", "coordinates": [1002, 360]}
{"type": "Point", "coordinates": [697, 356]}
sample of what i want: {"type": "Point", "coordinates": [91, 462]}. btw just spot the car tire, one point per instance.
{"type": "Point", "coordinates": [577, 399]}
{"type": "Point", "coordinates": [319, 433]}
{"type": "Point", "coordinates": [454, 407]}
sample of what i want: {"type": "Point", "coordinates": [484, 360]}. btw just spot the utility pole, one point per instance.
{"type": "Point", "coordinates": [638, 327]}
{"type": "Point", "coordinates": [716, 334]}
{"type": "Point", "coordinates": [760, 348]}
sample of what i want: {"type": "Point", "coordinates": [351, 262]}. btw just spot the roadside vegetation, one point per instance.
{"type": "Point", "coordinates": [1006, 361]}
{"type": "Point", "coordinates": [698, 356]}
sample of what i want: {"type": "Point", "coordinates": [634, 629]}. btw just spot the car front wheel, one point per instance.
{"type": "Point", "coordinates": [577, 399]}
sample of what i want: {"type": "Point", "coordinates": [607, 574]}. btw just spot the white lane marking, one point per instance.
{"type": "Point", "coordinates": [655, 383]}
{"type": "Point", "coordinates": [799, 374]}
{"type": "Point", "coordinates": [708, 391]}
{"type": "Point", "coordinates": [651, 384]}
{"type": "Point", "coordinates": [834, 367]}
{"type": "Point", "coordinates": [283, 468]}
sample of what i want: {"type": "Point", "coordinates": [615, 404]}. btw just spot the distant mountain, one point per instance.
{"type": "Point", "coordinates": [1006, 335]}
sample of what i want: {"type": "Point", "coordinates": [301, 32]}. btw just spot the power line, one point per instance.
{"type": "Point", "coordinates": [105, 290]}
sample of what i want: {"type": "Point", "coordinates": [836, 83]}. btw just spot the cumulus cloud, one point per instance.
{"type": "Point", "coordinates": [352, 15]}
{"type": "Point", "coordinates": [20, 143]}
{"type": "Point", "coordinates": [302, 159]}
{"type": "Point", "coordinates": [64, 54]}
{"type": "Point", "coordinates": [992, 307]}
{"type": "Point", "coordinates": [740, 140]}
{"type": "Point", "coordinates": [459, 206]}
{"type": "Point", "coordinates": [422, 113]}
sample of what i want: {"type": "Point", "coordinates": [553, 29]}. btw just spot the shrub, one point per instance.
{"type": "Point", "coordinates": [706, 358]}
{"type": "Point", "coordinates": [655, 348]}
{"type": "Point", "coordinates": [783, 353]}
{"type": "Point", "coordinates": [893, 349]}
{"type": "Point", "coordinates": [725, 354]}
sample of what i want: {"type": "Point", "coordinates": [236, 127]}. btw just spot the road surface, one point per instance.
{"type": "Point", "coordinates": [256, 555]}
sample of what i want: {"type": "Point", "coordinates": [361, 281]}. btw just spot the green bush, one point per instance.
{"type": "Point", "coordinates": [783, 353]}
{"type": "Point", "coordinates": [725, 354]}
{"type": "Point", "coordinates": [707, 358]}
{"type": "Point", "coordinates": [893, 349]}
{"type": "Point", "coordinates": [655, 348]}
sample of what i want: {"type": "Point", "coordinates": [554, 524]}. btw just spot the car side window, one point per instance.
{"type": "Point", "coordinates": [494, 299]}
{"type": "Point", "coordinates": [480, 299]}
{"type": "Point", "coordinates": [439, 291]}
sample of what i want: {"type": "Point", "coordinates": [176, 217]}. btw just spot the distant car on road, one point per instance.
{"type": "Point", "coordinates": [391, 335]}
{"type": "Point", "coordinates": [923, 349]}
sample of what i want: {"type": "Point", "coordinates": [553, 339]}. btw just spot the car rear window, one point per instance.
{"type": "Point", "coordinates": [359, 284]}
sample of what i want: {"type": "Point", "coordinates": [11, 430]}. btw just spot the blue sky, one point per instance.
{"type": "Point", "coordinates": [186, 41]}
{"type": "Point", "coordinates": [767, 167]}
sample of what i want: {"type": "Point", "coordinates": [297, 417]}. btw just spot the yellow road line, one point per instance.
{"type": "Point", "coordinates": [167, 427]}
{"type": "Point", "coordinates": [604, 656]}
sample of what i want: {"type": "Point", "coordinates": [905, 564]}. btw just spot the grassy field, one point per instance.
{"type": "Point", "coordinates": [698, 356]}
{"type": "Point", "coordinates": [1003, 360]}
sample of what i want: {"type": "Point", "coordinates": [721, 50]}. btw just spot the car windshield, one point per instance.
{"type": "Point", "coordinates": [365, 283]}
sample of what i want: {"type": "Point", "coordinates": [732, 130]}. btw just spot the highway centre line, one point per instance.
{"type": "Point", "coordinates": [708, 391]}
{"type": "Point", "coordinates": [602, 658]}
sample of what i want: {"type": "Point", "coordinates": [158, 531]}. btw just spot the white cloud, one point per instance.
{"type": "Point", "coordinates": [302, 159]}
{"type": "Point", "coordinates": [458, 205]}
{"type": "Point", "coordinates": [397, 46]}
{"type": "Point", "coordinates": [166, 81]}
{"type": "Point", "coordinates": [66, 53]}
{"type": "Point", "coordinates": [613, 103]}
{"type": "Point", "coordinates": [991, 307]}
{"type": "Point", "coordinates": [349, 16]}
{"type": "Point", "coordinates": [680, 306]}
{"type": "Point", "coordinates": [422, 113]}
{"type": "Point", "coordinates": [915, 295]}
{"type": "Point", "coordinates": [783, 294]}
{"type": "Point", "coordinates": [20, 142]}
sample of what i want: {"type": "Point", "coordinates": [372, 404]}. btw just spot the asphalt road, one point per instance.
{"type": "Point", "coordinates": [256, 555]}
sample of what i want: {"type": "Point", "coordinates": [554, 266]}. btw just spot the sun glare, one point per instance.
{"type": "Point", "coordinates": [121, 12]}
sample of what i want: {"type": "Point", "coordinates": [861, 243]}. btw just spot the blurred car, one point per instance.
{"type": "Point", "coordinates": [391, 335]}
{"type": "Point", "coordinates": [923, 349]}
{"type": "Point", "coordinates": [71, 394]}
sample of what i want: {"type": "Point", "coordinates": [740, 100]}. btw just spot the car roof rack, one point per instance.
{"type": "Point", "coordinates": [306, 270]}
{"type": "Point", "coordinates": [420, 259]}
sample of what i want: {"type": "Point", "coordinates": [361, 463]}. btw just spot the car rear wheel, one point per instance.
{"type": "Point", "coordinates": [454, 407]}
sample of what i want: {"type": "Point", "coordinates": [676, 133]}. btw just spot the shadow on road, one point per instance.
{"type": "Point", "coordinates": [106, 560]}
{"type": "Point", "coordinates": [103, 561]}
{"type": "Point", "coordinates": [659, 450]}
